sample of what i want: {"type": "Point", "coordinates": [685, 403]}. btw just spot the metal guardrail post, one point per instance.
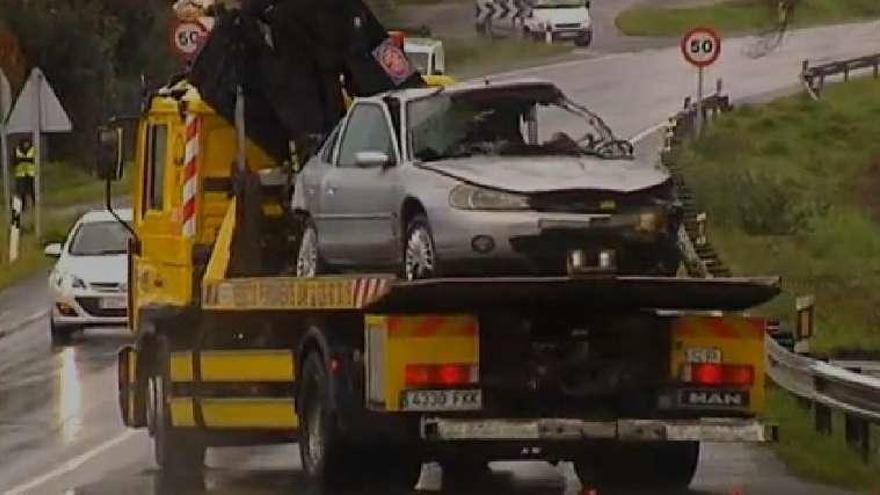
{"type": "Point", "coordinates": [822, 414]}
{"type": "Point", "coordinates": [806, 323]}
{"type": "Point", "coordinates": [858, 436]}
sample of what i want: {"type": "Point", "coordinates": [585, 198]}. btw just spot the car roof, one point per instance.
{"type": "Point", "coordinates": [105, 216]}
{"type": "Point", "coordinates": [469, 86]}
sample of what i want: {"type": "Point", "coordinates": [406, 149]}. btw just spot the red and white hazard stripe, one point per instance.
{"type": "Point", "coordinates": [190, 172]}
{"type": "Point", "coordinates": [369, 290]}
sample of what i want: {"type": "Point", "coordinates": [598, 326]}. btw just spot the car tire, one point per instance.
{"type": "Point", "coordinates": [308, 258]}
{"type": "Point", "coordinates": [61, 334]}
{"type": "Point", "coordinates": [419, 254]}
{"type": "Point", "coordinates": [177, 453]}
{"type": "Point", "coordinates": [584, 40]}
{"type": "Point", "coordinates": [662, 466]}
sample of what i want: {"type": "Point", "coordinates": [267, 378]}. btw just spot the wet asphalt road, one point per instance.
{"type": "Point", "coordinates": [59, 429]}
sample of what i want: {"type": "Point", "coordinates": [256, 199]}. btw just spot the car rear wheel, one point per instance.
{"type": "Point", "coordinates": [307, 258]}
{"type": "Point", "coordinates": [419, 256]}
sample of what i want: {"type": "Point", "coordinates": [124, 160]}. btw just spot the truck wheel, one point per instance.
{"type": "Point", "coordinates": [419, 255]}
{"type": "Point", "coordinates": [464, 472]}
{"type": "Point", "coordinates": [322, 454]}
{"type": "Point", "coordinates": [308, 260]}
{"type": "Point", "coordinates": [659, 465]}
{"type": "Point", "coordinates": [176, 452]}
{"type": "Point", "coordinates": [584, 39]}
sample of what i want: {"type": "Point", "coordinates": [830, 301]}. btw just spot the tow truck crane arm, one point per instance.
{"type": "Point", "coordinates": [292, 59]}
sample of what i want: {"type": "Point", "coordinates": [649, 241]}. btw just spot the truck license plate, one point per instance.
{"type": "Point", "coordinates": [442, 400]}
{"type": "Point", "coordinates": [113, 303]}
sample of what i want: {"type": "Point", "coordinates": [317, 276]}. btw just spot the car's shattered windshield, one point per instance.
{"type": "Point", "coordinates": [509, 123]}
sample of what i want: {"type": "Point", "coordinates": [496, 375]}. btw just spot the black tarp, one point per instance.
{"type": "Point", "coordinates": [291, 58]}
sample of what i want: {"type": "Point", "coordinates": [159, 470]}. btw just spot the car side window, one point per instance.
{"type": "Point", "coordinates": [154, 166]}
{"type": "Point", "coordinates": [367, 130]}
{"type": "Point", "coordinates": [330, 145]}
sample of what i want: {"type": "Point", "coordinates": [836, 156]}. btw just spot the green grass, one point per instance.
{"type": "Point", "coordinates": [823, 458]}
{"type": "Point", "coordinates": [790, 189]}
{"type": "Point", "coordinates": [740, 15]}
{"type": "Point", "coordinates": [471, 57]}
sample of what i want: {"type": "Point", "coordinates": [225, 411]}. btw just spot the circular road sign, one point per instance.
{"type": "Point", "coordinates": [701, 46]}
{"type": "Point", "coordinates": [187, 37]}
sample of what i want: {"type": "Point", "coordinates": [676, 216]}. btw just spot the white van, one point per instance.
{"type": "Point", "coordinates": [563, 19]}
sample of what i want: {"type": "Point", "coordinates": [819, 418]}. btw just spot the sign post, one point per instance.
{"type": "Point", "coordinates": [37, 111]}
{"type": "Point", "coordinates": [701, 47]}
{"type": "Point", "coordinates": [5, 107]}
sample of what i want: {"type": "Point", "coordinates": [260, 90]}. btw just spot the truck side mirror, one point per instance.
{"type": "Point", "coordinates": [109, 156]}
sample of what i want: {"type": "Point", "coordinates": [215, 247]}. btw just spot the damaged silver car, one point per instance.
{"type": "Point", "coordinates": [500, 178]}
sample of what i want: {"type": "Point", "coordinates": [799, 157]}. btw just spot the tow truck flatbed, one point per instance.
{"type": "Point", "coordinates": [387, 294]}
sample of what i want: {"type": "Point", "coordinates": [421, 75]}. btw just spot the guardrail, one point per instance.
{"type": "Point", "coordinates": [813, 77]}
{"type": "Point", "coordinates": [825, 386]}
{"type": "Point", "coordinates": [843, 386]}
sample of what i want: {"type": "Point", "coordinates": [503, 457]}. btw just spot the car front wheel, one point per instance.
{"type": "Point", "coordinates": [61, 333]}
{"type": "Point", "coordinates": [419, 256]}
{"type": "Point", "coordinates": [307, 258]}
{"type": "Point", "coordinates": [584, 39]}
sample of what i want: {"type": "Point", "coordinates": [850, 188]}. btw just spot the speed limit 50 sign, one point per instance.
{"type": "Point", "coordinates": [187, 37]}
{"type": "Point", "coordinates": [701, 46]}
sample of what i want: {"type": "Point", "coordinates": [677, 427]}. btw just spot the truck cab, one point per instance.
{"type": "Point", "coordinates": [560, 20]}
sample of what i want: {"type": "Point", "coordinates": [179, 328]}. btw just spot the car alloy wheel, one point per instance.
{"type": "Point", "coordinates": [307, 257]}
{"type": "Point", "coordinates": [420, 260]}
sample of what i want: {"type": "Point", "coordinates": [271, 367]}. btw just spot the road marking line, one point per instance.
{"type": "Point", "coordinates": [72, 464]}
{"type": "Point", "coordinates": [15, 327]}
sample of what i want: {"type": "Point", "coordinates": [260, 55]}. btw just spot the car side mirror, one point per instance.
{"type": "Point", "coordinates": [368, 159]}
{"type": "Point", "coordinates": [108, 162]}
{"type": "Point", "coordinates": [53, 250]}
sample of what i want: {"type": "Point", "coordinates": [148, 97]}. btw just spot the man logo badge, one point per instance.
{"type": "Point", "coordinates": [714, 398]}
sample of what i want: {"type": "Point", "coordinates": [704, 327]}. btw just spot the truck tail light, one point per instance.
{"type": "Point", "coordinates": [442, 375]}
{"type": "Point", "coordinates": [716, 374]}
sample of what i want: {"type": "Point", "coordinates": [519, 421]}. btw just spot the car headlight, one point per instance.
{"type": "Point", "coordinates": [468, 197]}
{"type": "Point", "coordinates": [77, 283]}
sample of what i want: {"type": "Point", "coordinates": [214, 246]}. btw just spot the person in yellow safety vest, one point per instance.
{"type": "Point", "coordinates": [25, 169]}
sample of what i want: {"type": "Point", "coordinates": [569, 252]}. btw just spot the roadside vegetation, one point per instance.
{"type": "Point", "coordinates": [734, 16]}
{"type": "Point", "coordinates": [62, 206]}
{"type": "Point", "coordinates": [826, 459]}
{"type": "Point", "coordinates": [791, 189]}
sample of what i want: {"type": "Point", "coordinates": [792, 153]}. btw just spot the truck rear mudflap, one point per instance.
{"type": "Point", "coordinates": [436, 429]}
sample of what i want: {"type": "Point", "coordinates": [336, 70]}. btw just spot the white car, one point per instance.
{"type": "Point", "coordinates": [89, 284]}
{"type": "Point", "coordinates": [562, 19]}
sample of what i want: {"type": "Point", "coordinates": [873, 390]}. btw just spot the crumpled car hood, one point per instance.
{"type": "Point", "coordinates": [535, 174]}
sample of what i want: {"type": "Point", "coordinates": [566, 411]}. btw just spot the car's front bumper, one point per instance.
{"type": "Point", "coordinates": [535, 242]}
{"type": "Point", "coordinates": [85, 308]}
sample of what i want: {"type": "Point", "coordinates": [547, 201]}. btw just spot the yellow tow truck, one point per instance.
{"type": "Point", "coordinates": [371, 375]}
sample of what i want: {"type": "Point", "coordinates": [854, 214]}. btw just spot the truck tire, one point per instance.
{"type": "Point", "coordinates": [584, 40]}
{"type": "Point", "coordinates": [177, 453]}
{"type": "Point", "coordinates": [324, 458]}
{"type": "Point", "coordinates": [463, 472]}
{"type": "Point", "coordinates": [657, 466]}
